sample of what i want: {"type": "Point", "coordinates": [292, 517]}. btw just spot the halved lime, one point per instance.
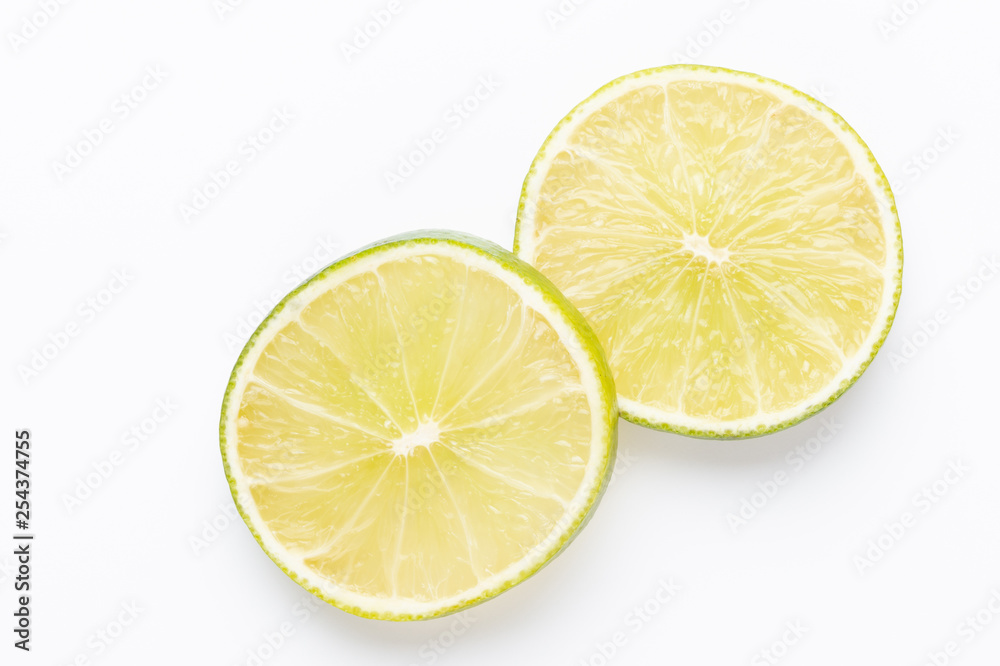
{"type": "Point", "coordinates": [732, 241]}
{"type": "Point", "coordinates": [419, 426]}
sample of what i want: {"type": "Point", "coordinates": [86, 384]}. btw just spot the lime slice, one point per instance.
{"type": "Point", "coordinates": [732, 242]}
{"type": "Point", "coordinates": [419, 427]}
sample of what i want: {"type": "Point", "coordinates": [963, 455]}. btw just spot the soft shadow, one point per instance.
{"type": "Point", "coordinates": [534, 600]}
{"type": "Point", "coordinates": [653, 445]}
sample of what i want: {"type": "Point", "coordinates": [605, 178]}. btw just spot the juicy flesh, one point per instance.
{"type": "Point", "coordinates": [721, 243]}
{"type": "Point", "coordinates": [414, 431]}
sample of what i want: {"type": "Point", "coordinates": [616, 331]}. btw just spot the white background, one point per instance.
{"type": "Point", "coordinates": [174, 331]}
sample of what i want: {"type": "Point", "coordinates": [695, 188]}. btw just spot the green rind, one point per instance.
{"type": "Point", "coordinates": [725, 433]}
{"type": "Point", "coordinates": [553, 296]}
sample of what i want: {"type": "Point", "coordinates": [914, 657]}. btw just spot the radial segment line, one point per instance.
{"type": "Point", "coordinates": [782, 210]}
{"type": "Point", "coordinates": [669, 127]}
{"type": "Point", "coordinates": [751, 354]}
{"type": "Point", "coordinates": [834, 347]}
{"type": "Point", "coordinates": [624, 274]}
{"type": "Point", "coordinates": [608, 231]}
{"type": "Point", "coordinates": [501, 362]}
{"type": "Point", "coordinates": [517, 411]}
{"type": "Point", "coordinates": [461, 516]}
{"type": "Point", "coordinates": [610, 168]}
{"type": "Point", "coordinates": [313, 409]}
{"type": "Point", "coordinates": [765, 130]}
{"type": "Point", "coordinates": [329, 543]}
{"type": "Point", "coordinates": [402, 526]}
{"type": "Point", "coordinates": [285, 478]}
{"type": "Point", "coordinates": [650, 312]}
{"type": "Point", "coordinates": [513, 483]}
{"type": "Point", "coordinates": [451, 345]}
{"type": "Point", "coordinates": [309, 330]}
{"type": "Point", "coordinates": [781, 251]}
{"type": "Point", "coordinates": [694, 334]}
{"type": "Point", "coordinates": [399, 341]}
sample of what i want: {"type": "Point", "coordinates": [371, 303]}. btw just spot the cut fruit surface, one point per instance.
{"type": "Point", "coordinates": [732, 241]}
{"type": "Point", "coordinates": [419, 426]}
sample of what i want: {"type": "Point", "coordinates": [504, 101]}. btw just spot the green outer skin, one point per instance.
{"type": "Point", "coordinates": [551, 295]}
{"type": "Point", "coordinates": [727, 433]}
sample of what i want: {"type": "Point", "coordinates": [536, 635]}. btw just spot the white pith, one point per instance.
{"type": "Point", "coordinates": [700, 246]}
{"type": "Point", "coordinates": [426, 434]}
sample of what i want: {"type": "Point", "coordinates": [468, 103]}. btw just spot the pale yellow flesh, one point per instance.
{"type": "Point", "coordinates": [721, 242]}
{"type": "Point", "coordinates": [406, 442]}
